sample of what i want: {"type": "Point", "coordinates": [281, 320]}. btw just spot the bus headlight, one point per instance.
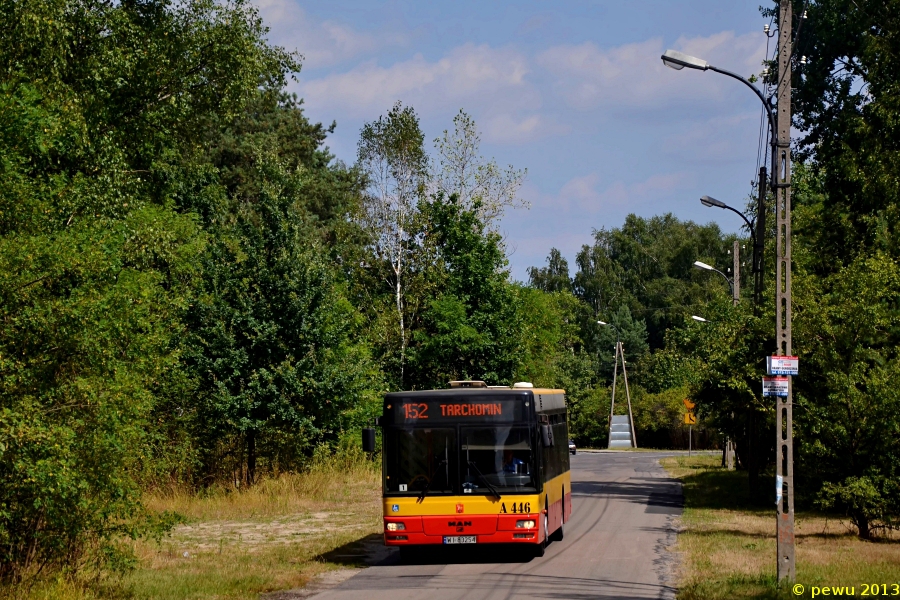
{"type": "Point", "coordinates": [402, 527]}
{"type": "Point", "coordinates": [525, 524]}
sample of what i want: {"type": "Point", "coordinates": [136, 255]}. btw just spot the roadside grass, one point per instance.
{"type": "Point", "coordinates": [727, 543]}
{"type": "Point", "coordinates": [237, 544]}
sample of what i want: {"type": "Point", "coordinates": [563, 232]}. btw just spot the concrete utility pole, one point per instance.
{"type": "Point", "coordinates": [736, 274]}
{"type": "Point", "coordinates": [784, 442]}
{"type": "Point", "coordinates": [736, 293]}
{"type": "Point", "coordinates": [758, 241]}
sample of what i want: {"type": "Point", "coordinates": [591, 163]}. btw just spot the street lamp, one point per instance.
{"type": "Point", "coordinates": [610, 325]}
{"type": "Point", "coordinates": [678, 61]}
{"type": "Point", "coordinates": [705, 267]}
{"type": "Point", "coordinates": [756, 238]}
{"type": "Point", "coordinates": [712, 202]}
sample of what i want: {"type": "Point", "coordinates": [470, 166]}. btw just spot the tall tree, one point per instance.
{"type": "Point", "coordinates": [99, 102]}
{"type": "Point", "coordinates": [478, 183]}
{"type": "Point", "coordinates": [847, 197]}
{"type": "Point", "coordinates": [552, 278]}
{"type": "Point", "coordinates": [391, 154]}
{"type": "Point", "coordinates": [631, 332]}
{"type": "Point", "coordinates": [647, 265]}
{"type": "Point", "coordinates": [847, 104]}
{"type": "Point", "coordinates": [469, 327]}
{"type": "Point", "coordinates": [273, 340]}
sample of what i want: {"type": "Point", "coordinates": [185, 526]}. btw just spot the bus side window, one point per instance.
{"type": "Point", "coordinates": [561, 449]}
{"type": "Point", "coordinates": [553, 465]}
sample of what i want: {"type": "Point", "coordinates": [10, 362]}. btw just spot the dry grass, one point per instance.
{"type": "Point", "coordinates": [330, 481]}
{"type": "Point", "coordinates": [728, 544]}
{"type": "Point", "coordinates": [236, 544]}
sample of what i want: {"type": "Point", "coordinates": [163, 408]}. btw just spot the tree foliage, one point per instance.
{"type": "Point", "coordinates": [480, 184]}
{"type": "Point", "coordinates": [392, 156]}
{"type": "Point", "coordinates": [846, 251]}
{"type": "Point", "coordinates": [846, 103]}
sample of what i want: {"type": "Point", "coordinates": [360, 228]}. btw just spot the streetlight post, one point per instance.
{"type": "Point", "coordinates": [755, 236]}
{"type": "Point", "coordinates": [699, 320]}
{"type": "Point", "coordinates": [784, 435]}
{"type": "Point", "coordinates": [728, 455]}
{"type": "Point", "coordinates": [780, 142]}
{"type": "Point", "coordinates": [620, 352]}
{"type": "Point", "coordinates": [678, 60]}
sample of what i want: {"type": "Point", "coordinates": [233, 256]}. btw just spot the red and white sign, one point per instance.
{"type": "Point", "coordinates": [782, 365]}
{"type": "Point", "coordinates": [776, 386]}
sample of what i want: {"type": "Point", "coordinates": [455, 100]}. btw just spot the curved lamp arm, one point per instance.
{"type": "Point", "coordinates": [678, 60]}
{"type": "Point", "coordinates": [710, 201]}
{"type": "Point", "coordinates": [706, 267]}
{"type": "Point", "coordinates": [618, 339]}
{"type": "Point", "coordinates": [755, 90]}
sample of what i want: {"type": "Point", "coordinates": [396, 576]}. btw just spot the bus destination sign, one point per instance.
{"type": "Point", "coordinates": [444, 410]}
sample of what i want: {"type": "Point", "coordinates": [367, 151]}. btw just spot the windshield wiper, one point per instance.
{"type": "Point", "coordinates": [485, 480]}
{"type": "Point", "coordinates": [427, 485]}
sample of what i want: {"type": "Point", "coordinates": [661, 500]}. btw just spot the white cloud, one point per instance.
{"type": "Point", "coordinates": [324, 43]}
{"type": "Point", "coordinates": [633, 76]}
{"type": "Point", "coordinates": [565, 219]}
{"type": "Point", "coordinates": [490, 83]}
{"type": "Point", "coordinates": [506, 129]}
{"type": "Point", "coordinates": [714, 141]}
{"type": "Point", "coordinates": [584, 195]}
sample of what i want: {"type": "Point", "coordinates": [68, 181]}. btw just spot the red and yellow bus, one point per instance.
{"type": "Point", "coordinates": [474, 465]}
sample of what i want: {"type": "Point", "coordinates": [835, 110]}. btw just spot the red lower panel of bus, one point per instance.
{"type": "Point", "coordinates": [488, 529]}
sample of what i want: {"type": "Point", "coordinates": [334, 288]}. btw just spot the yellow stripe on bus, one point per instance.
{"type": "Point", "coordinates": [477, 504]}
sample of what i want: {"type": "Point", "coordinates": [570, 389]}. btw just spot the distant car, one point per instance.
{"type": "Point", "coordinates": [571, 447]}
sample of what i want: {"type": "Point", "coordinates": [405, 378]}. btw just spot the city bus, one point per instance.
{"type": "Point", "coordinates": [474, 464]}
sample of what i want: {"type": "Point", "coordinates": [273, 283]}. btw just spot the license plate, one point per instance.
{"type": "Point", "coordinates": [459, 539]}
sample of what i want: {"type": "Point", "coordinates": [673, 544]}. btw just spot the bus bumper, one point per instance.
{"type": "Point", "coordinates": [486, 529]}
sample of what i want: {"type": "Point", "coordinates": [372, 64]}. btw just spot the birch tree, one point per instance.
{"type": "Point", "coordinates": [391, 153]}
{"type": "Point", "coordinates": [481, 185]}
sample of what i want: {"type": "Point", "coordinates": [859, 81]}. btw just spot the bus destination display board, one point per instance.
{"type": "Point", "coordinates": [444, 410]}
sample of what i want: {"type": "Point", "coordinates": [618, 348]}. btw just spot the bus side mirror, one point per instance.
{"type": "Point", "coordinates": [368, 439]}
{"type": "Point", "coordinates": [546, 435]}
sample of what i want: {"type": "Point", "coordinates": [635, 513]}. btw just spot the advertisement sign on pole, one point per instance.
{"type": "Point", "coordinates": [782, 365]}
{"type": "Point", "coordinates": [775, 386]}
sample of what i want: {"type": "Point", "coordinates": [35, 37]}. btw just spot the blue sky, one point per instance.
{"type": "Point", "coordinates": [573, 91]}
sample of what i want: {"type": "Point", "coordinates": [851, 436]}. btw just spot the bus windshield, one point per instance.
{"type": "Point", "coordinates": [434, 461]}
{"type": "Point", "coordinates": [498, 457]}
{"type": "Point", "coordinates": [420, 460]}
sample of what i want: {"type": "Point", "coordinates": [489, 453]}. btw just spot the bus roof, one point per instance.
{"type": "Point", "coordinates": [456, 392]}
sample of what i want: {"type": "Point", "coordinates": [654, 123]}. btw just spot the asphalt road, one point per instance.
{"type": "Point", "coordinates": [615, 546]}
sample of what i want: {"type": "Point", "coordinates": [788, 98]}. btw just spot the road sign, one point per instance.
{"type": "Point", "coordinates": [775, 386]}
{"type": "Point", "coordinates": [782, 365]}
{"type": "Point", "coordinates": [690, 419]}
{"type": "Point", "coordinates": [688, 404]}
